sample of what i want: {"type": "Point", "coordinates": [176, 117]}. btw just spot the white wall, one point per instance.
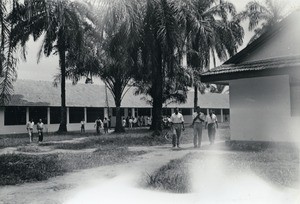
{"type": "Point", "coordinates": [260, 110]}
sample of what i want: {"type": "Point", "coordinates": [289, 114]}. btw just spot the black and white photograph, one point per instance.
{"type": "Point", "coordinates": [149, 101]}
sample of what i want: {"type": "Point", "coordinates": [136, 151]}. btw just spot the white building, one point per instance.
{"type": "Point", "coordinates": [264, 80]}
{"type": "Point", "coordinates": [40, 99]}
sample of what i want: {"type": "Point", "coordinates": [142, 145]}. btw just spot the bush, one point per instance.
{"type": "Point", "coordinates": [19, 168]}
{"type": "Point", "coordinates": [173, 177]}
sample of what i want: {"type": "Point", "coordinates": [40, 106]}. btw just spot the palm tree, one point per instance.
{"type": "Point", "coordinates": [59, 24]}
{"type": "Point", "coordinates": [7, 50]}
{"type": "Point", "coordinates": [161, 48]}
{"type": "Point", "coordinates": [110, 49]}
{"type": "Point", "coordinates": [212, 31]}
{"type": "Point", "coordinates": [262, 16]}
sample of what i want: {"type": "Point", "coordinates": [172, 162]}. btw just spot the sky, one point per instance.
{"type": "Point", "coordinates": [48, 66]}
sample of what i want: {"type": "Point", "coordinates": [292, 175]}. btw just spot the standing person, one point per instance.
{"type": "Point", "coordinates": [40, 127]}
{"type": "Point", "coordinates": [29, 127]}
{"type": "Point", "coordinates": [177, 124]}
{"type": "Point", "coordinates": [82, 128]}
{"type": "Point", "coordinates": [109, 122]}
{"type": "Point", "coordinates": [124, 122]}
{"type": "Point", "coordinates": [105, 125]}
{"type": "Point", "coordinates": [211, 125]}
{"type": "Point", "coordinates": [198, 119]}
{"type": "Point", "coordinates": [130, 122]}
{"type": "Point", "coordinates": [98, 124]}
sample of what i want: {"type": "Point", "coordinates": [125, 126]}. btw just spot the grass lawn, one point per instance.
{"type": "Point", "coordinates": [20, 168]}
{"type": "Point", "coordinates": [279, 167]}
{"type": "Point", "coordinates": [40, 164]}
{"type": "Point", "coordinates": [130, 137]}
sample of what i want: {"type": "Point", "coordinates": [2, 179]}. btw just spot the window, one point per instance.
{"type": "Point", "coordinates": [203, 110]}
{"type": "Point", "coordinates": [216, 111]}
{"type": "Point", "coordinates": [37, 113]}
{"type": "Point", "coordinates": [94, 113]}
{"type": "Point", "coordinates": [54, 115]}
{"type": "Point", "coordinates": [166, 111]}
{"type": "Point", "coordinates": [114, 112]}
{"type": "Point", "coordinates": [76, 115]}
{"type": "Point", "coordinates": [144, 111]}
{"type": "Point", "coordinates": [186, 111]}
{"type": "Point", "coordinates": [15, 115]}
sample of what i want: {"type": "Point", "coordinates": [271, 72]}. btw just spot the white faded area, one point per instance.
{"type": "Point", "coordinates": [212, 183]}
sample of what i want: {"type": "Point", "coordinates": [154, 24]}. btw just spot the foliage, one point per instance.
{"type": "Point", "coordinates": [8, 62]}
{"type": "Point", "coordinates": [60, 26]}
{"type": "Point", "coordinates": [262, 16]}
{"type": "Point", "coordinates": [173, 177]}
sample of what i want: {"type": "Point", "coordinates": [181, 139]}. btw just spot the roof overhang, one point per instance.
{"type": "Point", "coordinates": [279, 66]}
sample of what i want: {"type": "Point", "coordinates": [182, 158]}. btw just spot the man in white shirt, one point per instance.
{"type": "Point", "coordinates": [29, 128]}
{"type": "Point", "coordinates": [40, 127]}
{"type": "Point", "coordinates": [211, 125]}
{"type": "Point", "coordinates": [177, 122]}
{"type": "Point", "coordinates": [198, 119]}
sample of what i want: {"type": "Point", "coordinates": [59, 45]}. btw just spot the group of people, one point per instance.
{"type": "Point", "coordinates": [39, 127]}
{"type": "Point", "coordinates": [210, 122]}
{"type": "Point", "coordinates": [105, 124]}
{"type": "Point", "coordinates": [140, 121]}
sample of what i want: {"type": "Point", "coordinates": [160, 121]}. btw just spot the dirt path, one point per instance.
{"type": "Point", "coordinates": [63, 188]}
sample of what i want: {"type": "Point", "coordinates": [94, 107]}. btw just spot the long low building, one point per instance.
{"type": "Point", "coordinates": [41, 100]}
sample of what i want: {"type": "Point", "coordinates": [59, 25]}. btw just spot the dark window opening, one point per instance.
{"type": "Point", "coordinates": [37, 113]}
{"type": "Point", "coordinates": [94, 113]}
{"type": "Point", "coordinates": [15, 115]}
{"type": "Point", "coordinates": [186, 111]}
{"type": "Point", "coordinates": [166, 111]}
{"type": "Point", "coordinates": [144, 111]}
{"type": "Point", "coordinates": [76, 115]}
{"type": "Point", "coordinates": [54, 115]}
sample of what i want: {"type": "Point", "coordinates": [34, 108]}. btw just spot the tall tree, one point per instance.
{"type": "Point", "coordinates": [262, 16]}
{"type": "Point", "coordinates": [7, 59]}
{"type": "Point", "coordinates": [59, 24]}
{"type": "Point", "coordinates": [212, 30]}
{"type": "Point", "coordinates": [161, 46]}
{"type": "Point", "coordinates": [111, 48]}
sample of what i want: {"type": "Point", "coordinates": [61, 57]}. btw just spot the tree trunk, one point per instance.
{"type": "Point", "coordinates": [118, 95]}
{"type": "Point", "coordinates": [157, 93]}
{"type": "Point", "coordinates": [62, 62]}
{"type": "Point", "coordinates": [195, 96]}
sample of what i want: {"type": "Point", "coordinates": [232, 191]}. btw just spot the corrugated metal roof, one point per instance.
{"type": "Point", "coordinates": [274, 63]}
{"type": "Point", "coordinates": [43, 93]}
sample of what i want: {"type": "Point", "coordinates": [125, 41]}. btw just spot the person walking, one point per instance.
{"type": "Point", "coordinates": [98, 124]}
{"type": "Point", "coordinates": [105, 125]}
{"type": "Point", "coordinates": [82, 128]}
{"type": "Point", "coordinates": [130, 122]}
{"type": "Point", "coordinates": [40, 128]}
{"type": "Point", "coordinates": [211, 124]}
{"type": "Point", "coordinates": [177, 122]}
{"type": "Point", "coordinates": [29, 127]}
{"type": "Point", "coordinates": [198, 119]}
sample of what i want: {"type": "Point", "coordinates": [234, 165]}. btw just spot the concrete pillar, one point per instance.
{"type": "Point", "coordinates": [132, 112]}
{"type": "Point", "coordinates": [207, 111]}
{"type": "Point", "coordinates": [85, 114]}
{"type": "Point", "coordinates": [48, 115]}
{"type": "Point", "coordinates": [222, 118]}
{"type": "Point", "coordinates": [151, 112]}
{"type": "Point", "coordinates": [126, 112]}
{"type": "Point", "coordinates": [68, 116]}
{"type": "Point", "coordinates": [27, 114]}
{"type": "Point", "coordinates": [106, 112]}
